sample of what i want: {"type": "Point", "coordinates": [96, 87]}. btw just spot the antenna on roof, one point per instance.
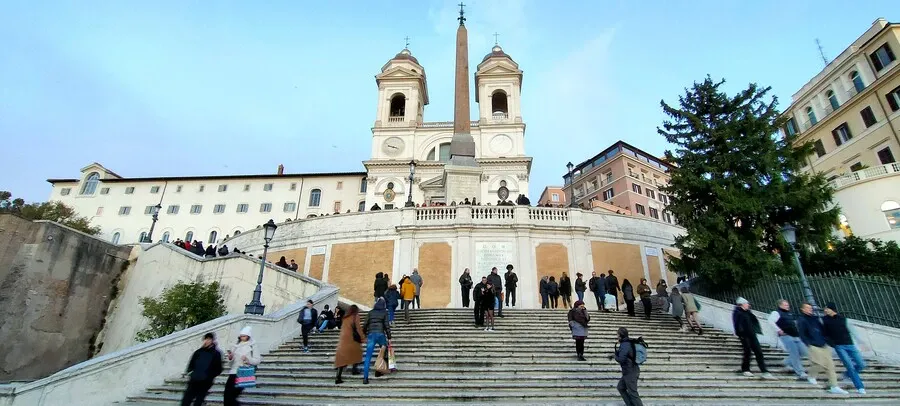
{"type": "Point", "coordinates": [821, 52]}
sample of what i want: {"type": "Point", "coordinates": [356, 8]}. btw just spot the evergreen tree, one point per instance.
{"type": "Point", "coordinates": [736, 183]}
{"type": "Point", "coordinates": [181, 306]}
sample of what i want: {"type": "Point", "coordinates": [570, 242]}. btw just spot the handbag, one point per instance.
{"type": "Point", "coordinates": [392, 360]}
{"type": "Point", "coordinates": [381, 365]}
{"type": "Point", "coordinates": [246, 377]}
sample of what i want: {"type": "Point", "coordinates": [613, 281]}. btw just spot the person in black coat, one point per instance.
{"type": "Point", "coordinates": [477, 295]}
{"type": "Point", "coordinates": [465, 285]}
{"type": "Point", "coordinates": [553, 291]}
{"type": "Point", "coordinates": [381, 285]}
{"type": "Point", "coordinates": [545, 293]}
{"type": "Point", "coordinates": [497, 285]}
{"type": "Point", "coordinates": [627, 296]}
{"type": "Point", "coordinates": [512, 282]}
{"type": "Point", "coordinates": [565, 290]}
{"type": "Point", "coordinates": [205, 365]}
{"type": "Point", "coordinates": [746, 327]}
{"type": "Point", "coordinates": [489, 300]}
{"type": "Point", "coordinates": [612, 287]}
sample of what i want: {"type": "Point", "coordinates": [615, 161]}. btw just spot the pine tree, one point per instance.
{"type": "Point", "coordinates": [736, 184]}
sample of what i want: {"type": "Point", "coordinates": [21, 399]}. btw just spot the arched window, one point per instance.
{"type": "Point", "coordinates": [315, 197]}
{"type": "Point", "coordinates": [812, 115]}
{"type": "Point", "coordinates": [857, 81]}
{"type": "Point", "coordinates": [499, 107]}
{"type": "Point", "coordinates": [362, 206]}
{"type": "Point", "coordinates": [364, 185]}
{"type": "Point", "coordinates": [398, 105]}
{"type": "Point", "coordinates": [441, 152]}
{"type": "Point", "coordinates": [165, 237]}
{"type": "Point", "coordinates": [189, 236]}
{"type": "Point", "coordinates": [115, 238]}
{"type": "Point", "coordinates": [237, 232]}
{"type": "Point", "coordinates": [90, 184]}
{"type": "Point", "coordinates": [212, 237]}
{"type": "Point", "coordinates": [832, 99]}
{"type": "Point", "coordinates": [143, 237]}
{"type": "Point", "coordinates": [891, 210]}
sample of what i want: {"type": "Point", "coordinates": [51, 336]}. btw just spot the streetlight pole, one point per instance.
{"type": "Point", "coordinates": [789, 233]}
{"type": "Point", "coordinates": [149, 237]}
{"type": "Point", "coordinates": [255, 306]}
{"type": "Point", "coordinates": [569, 166]}
{"type": "Point", "coordinates": [412, 172]}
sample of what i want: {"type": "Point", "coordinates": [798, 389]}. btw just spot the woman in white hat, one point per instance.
{"type": "Point", "coordinates": [239, 355]}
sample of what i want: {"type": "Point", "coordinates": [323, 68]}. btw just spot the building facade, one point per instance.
{"type": "Point", "coordinates": [553, 196]}
{"type": "Point", "coordinates": [850, 112]}
{"type": "Point", "coordinates": [621, 179]}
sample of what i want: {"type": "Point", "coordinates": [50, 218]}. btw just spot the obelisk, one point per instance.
{"type": "Point", "coordinates": [462, 175]}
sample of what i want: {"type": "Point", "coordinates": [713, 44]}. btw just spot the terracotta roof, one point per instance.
{"type": "Point", "coordinates": [406, 55]}
{"type": "Point", "coordinates": [496, 52]}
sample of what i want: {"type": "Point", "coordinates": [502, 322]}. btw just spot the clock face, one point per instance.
{"type": "Point", "coordinates": [501, 144]}
{"type": "Point", "coordinates": [393, 146]}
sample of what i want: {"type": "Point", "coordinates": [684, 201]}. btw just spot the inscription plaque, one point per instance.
{"type": "Point", "coordinates": [491, 254]}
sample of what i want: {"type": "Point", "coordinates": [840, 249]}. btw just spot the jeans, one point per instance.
{"type": "Point", "coordinates": [545, 301]}
{"type": "Point", "coordinates": [407, 304]}
{"type": "Point", "coordinates": [580, 294]}
{"type": "Point", "coordinates": [372, 339]}
{"type": "Point", "coordinates": [796, 351]}
{"type": "Point", "coordinates": [853, 361]}
{"type": "Point", "coordinates": [391, 311]}
{"type": "Point", "coordinates": [305, 329]}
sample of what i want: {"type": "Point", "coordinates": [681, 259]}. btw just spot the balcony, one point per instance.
{"type": "Point", "coordinates": [499, 116]}
{"type": "Point", "coordinates": [396, 121]}
{"type": "Point", "coordinates": [867, 174]}
{"type": "Point", "coordinates": [485, 216]}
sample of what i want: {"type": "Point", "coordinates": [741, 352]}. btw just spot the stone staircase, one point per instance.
{"type": "Point", "coordinates": [530, 359]}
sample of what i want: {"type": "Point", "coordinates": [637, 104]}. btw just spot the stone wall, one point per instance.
{"type": "Point", "coordinates": [55, 286]}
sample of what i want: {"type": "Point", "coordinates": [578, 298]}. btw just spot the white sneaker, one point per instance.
{"type": "Point", "coordinates": [487, 329]}
{"type": "Point", "coordinates": [861, 391]}
{"type": "Point", "coordinates": [837, 391]}
{"type": "Point", "coordinates": [748, 373]}
{"type": "Point", "coordinates": [812, 381]}
{"type": "Point", "coordinates": [767, 376]}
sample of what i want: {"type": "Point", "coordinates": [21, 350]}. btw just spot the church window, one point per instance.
{"type": "Point", "coordinates": [398, 105]}
{"type": "Point", "coordinates": [499, 108]}
{"type": "Point", "coordinates": [363, 186]}
{"type": "Point", "coordinates": [315, 196]}
{"type": "Point", "coordinates": [441, 152]}
{"type": "Point", "coordinates": [362, 206]}
{"type": "Point", "coordinates": [90, 184]}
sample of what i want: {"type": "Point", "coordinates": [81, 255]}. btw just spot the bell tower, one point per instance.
{"type": "Point", "coordinates": [402, 92]}
{"type": "Point", "coordinates": [498, 88]}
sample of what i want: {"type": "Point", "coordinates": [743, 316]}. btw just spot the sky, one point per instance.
{"type": "Point", "coordinates": [168, 88]}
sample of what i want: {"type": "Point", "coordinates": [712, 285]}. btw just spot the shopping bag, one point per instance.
{"type": "Point", "coordinates": [610, 301]}
{"type": "Point", "coordinates": [246, 377]}
{"type": "Point", "coordinates": [392, 361]}
{"type": "Point", "coordinates": [381, 365]}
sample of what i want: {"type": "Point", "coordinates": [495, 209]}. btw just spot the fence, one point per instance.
{"type": "Point", "coordinates": [872, 299]}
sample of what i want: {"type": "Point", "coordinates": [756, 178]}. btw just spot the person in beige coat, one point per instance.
{"type": "Point", "coordinates": [691, 310]}
{"type": "Point", "coordinates": [241, 354]}
{"type": "Point", "coordinates": [349, 351]}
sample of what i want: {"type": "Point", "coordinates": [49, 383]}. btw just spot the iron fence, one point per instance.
{"type": "Point", "coordinates": [872, 299]}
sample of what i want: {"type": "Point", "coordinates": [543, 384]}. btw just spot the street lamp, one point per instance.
{"type": "Point", "coordinates": [789, 233]}
{"type": "Point", "coordinates": [255, 306]}
{"type": "Point", "coordinates": [155, 212]}
{"type": "Point", "coordinates": [569, 166]}
{"type": "Point", "coordinates": [412, 171]}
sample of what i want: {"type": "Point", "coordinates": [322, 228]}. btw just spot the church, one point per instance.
{"type": "Point", "coordinates": [412, 160]}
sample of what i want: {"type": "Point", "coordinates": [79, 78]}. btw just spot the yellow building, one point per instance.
{"type": "Point", "coordinates": [850, 111]}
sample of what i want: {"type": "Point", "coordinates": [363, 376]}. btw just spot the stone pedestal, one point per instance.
{"type": "Point", "coordinates": [462, 182]}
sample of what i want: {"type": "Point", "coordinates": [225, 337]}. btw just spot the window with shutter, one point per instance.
{"type": "Point", "coordinates": [820, 148]}
{"type": "Point", "coordinates": [886, 156]}
{"type": "Point", "coordinates": [841, 134]}
{"type": "Point", "coordinates": [893, 99]}
{"type": "Point", "coordinates": [883, 56]}
{"type": "Point", "coordinates": [868, 117]}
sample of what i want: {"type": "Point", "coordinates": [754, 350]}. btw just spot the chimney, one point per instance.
{"type": "Point", "coordinates": [280, 169]}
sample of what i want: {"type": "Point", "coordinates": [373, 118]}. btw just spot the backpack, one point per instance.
{"type": "Point", "coordinates": [639, 353]}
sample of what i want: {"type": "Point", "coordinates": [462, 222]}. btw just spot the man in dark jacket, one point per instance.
{"type": "Point", "coordinates": [594, 286]}
{"type": "Point", "coordinates": [205, 365]}
{"type": "Point", "coordinates": [477, 294]}
{"type": "Point", "coordinates": [465, 285]}
{"type": "Point", "coordinates": [811, 332]}
{"type": "Point", "coordinates": [512, 281]}
{"type": "Point", "coordinates": [325, 320]}
{"type": "Point", "coordinates": [378, 331]}
{"type": "Point", "coordinates": [789, 335]}
{"type": "Point", "coordinates": [746, 327]}
{"type": "Point", "coordinates": [494, 279]}
{"type": "Point", "coordinates": [612, 287]}
{"type": "Point", "coordinates": [307, 319]}
{"type": "Point", "coordinates": [381, 285]}
{"type": "Point", "coordinates": [839, 336]}
{"type": "Point", "coordinates": [631, 371]}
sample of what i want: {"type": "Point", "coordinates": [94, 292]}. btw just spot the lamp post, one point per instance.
{"type": "Point", "coordinates": [569, 166]}
{"type": "Point", "coordinates": [155, 212]}
{"type": "Point", "coordinates": [412, 171]}
{"type": "Point", "coordinates": [255, 306]}
{"type": "Point", "coordinates": [789, 233]}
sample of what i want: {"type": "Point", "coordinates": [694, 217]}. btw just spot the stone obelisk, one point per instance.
{"type": "Point", "coordinates": [462, 175]}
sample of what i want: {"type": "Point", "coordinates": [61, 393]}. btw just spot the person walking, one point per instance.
{"type": "Point", "coordinates": [416, 279]}
{"type": "Point", "coordinates": [348, 351]}
{"type": "Point", "coordinates": [580, 286]}
{"type": "Point", "coordinates": [662, 288]}
{"type": "Point", "coordinates": [626, 357]}
{"type": "Point", "coordinates": [497, 286]}
{"type": "Point", "coordinates": [746, 327]}
{"type": "Point", "coordinates": [392, 300]}
{"type": "Point", "coordinates": [578, 324]}
{"type": "Point", "coordinates": [628, 296]}
{"type": "Point", "coordinates": [381, 285]}
{"type": "Point", "coordinates": [403, 279]}
{"type": "Point", "coordinates": [786, 325]}
{"type": "Point", "coordinates": [241, 354]}
{"type": "Point", "coordinates": [612, 287]}
{"type": "Point", "coordinates": [378, 332]}
{"type": "Point", "coordinates": [477, 296]}
{"type": "Point", "coordinates": [811, 332]}
{"type": "Point", "coordinates": [594, 285]}
{"type": "Point", "coordinates": [512, 282]}
{"type": "Point", "coordinates": [489, 301]}
{"type": "Point", "coordinates": [565, 290]}
{"type": "Point", "coordinates": [307, 319]}
{"type": "Point", "coordinates": [408, 294]}
{"type": "Point", "coordinates": [676, 308]}
{"type": "Point", "coordinates": [465, 286]}
{"type": "Point", "coordinates": [839, 335]}
{"type": "Point", "coordinates": [644, 291]}
{"type": "Point", "coordinates": [205, 365]}
{"type": "Point", "coordinates": [601, 289]}
{"type": "Point", "coordinates": [545, 292]}
{"type": "Point", "coordinates": [691, 309]}
{"type": "Point", "coordinates": [553, 291]}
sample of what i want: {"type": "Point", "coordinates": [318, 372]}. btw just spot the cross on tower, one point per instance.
{"type": "Point", "coordinates": [407, 41]}
{"type": "Point", "coordinates": [462, 18]}
{"type": "Point", "coordinates": [496, 39]}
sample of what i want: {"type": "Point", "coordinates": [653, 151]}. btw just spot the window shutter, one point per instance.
{"type": "Point", "coordinates": [837, 137]}
{"type": "Point", "coordinates": [892, 99]}
{"type": "Point", "coordinates": [876, 61]}
{"type": "Point", "coordinates": [887, 50]}
{"type": "Point", "coordinates": [820, 148]}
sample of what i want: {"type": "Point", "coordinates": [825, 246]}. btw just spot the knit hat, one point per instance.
{"type": "Point", "coordinates": [741, 301]}
{"type": "Point", "coordinates": [831, 306]}
{"type": "Point", "coordinates": [245, 332]}
{"type": "Point", "coordinates": [578, 303]}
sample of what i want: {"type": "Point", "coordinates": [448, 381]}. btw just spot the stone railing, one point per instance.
{"type": "Point", "coordinates": [113, 377]}
{"type": "Point", "coordinates": [440, 213]}
{"type": "Point", "coordinates": [443, 124]}
{"type": "Point", "coordinates": [548, 214]}
{"type": "Point", "coordinates": [480, 213]}
{"type": "Point", "coordinates": [866, 174]}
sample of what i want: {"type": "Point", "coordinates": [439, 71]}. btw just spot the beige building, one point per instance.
{"type": "Point", "coordinates": [851, 112]}
{"type": "Point", "coordinates": [553, 196]}
{"type": "Point", "coordinates": [621, 179]}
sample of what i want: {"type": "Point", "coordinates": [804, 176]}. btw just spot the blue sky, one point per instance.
{"type": "Point", "coordinates": [234, 87]}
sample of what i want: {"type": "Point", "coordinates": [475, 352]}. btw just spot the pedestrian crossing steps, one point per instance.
{"type": "Point", "coordinates": [529, 359]}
